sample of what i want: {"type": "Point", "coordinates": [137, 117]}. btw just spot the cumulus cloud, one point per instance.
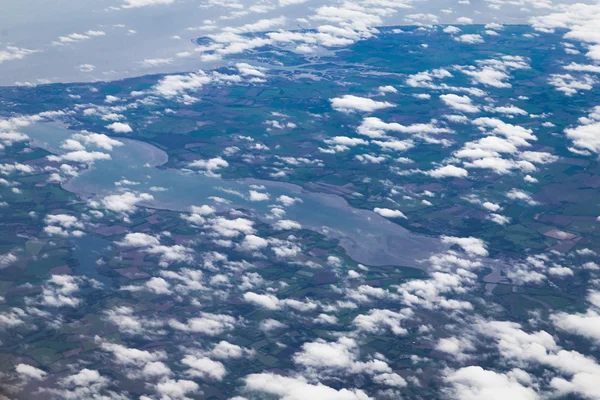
{"type": "Point", "coordinates": [208, 324]}
{"type": "Point", "coordinates": [389, 213]}
{"type": "Point", "coordinates": [350, 103]}
{"type": "Point", "coordinates": [120, 127]}
{"type": "Point", "coordinates": [122, 203]}
{"type": "Point", "coordinates": [459, 103]}
{"type": "Point", "coordinates": [204, 368]}
{"type": "Point", "coordinates": [145, 3]}
{"type": "Point", "coordinates": [471, 38]}
{"type": "Point", "coordinates": [448, 171]}
{"type": "Point", "coordinates": [471, 383]}
{"type": "Point", "coordinates": [210, 165]}
{"type": "Point", "coordinates": [289, 388]}
{"type": "Point", "coordinates": [471, 245]}
{"type": "Point", "coordinates": [81, 156]}
{"type": "Point", "coordinates": [379, 321]}
{"type": "Point", "coordinates": [30, 372]}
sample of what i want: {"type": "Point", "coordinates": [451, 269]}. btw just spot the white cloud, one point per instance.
{"type": "Point", "coordinates": [122, 203]}
{"type": "Point", "coordinates": [210, 165]}
{"type": "Point", "coordinates": [145, 3]}
{"type": "Point", "coordinates": [14, 53]}
{"type": "Point", "coordinates": [389, 213]}
{"type": "Point", "coordinates": [204, 367]}
{"type": "Point", "coordinates": [471, 245]}
{"type": "Point", "coordinates": [474, 383]}
{"type": "Point", "coordinates": [81, 156]}
{"type": "Point", "coordinates": [470, 38]}
{"type": "Point", "coordinates": [253, 242]}
{"type": "Point", "coordinates": [379, 321]}
{"type": "Point", "coordinates": [288, 388]}
{"type": "Point", "coordinates": [516, 194]}
{"type": "Point", "coordinates": [208, 324]}
{"type": "Point", "coordinates": [258, 196]}
{"type": "Point", "coordinates": [376, 128]}
{"type": "Point", "coordinates": [120, 127]}
{"type": "Point", "coordinates": [350, 103]}
{"type": "Point", "coordinates": [28, 371]}
{"type": "Point", "coordinates": [585, 136]}
{"type": "Point", "coordinates": [460, 103]}
{"type": "Point", "coordinates": [286, 224]}
{"type": "Point", "coordinates": [448, 171]}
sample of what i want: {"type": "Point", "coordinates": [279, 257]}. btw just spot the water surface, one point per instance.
{"type": "Point", "coordinates": [366, 236]}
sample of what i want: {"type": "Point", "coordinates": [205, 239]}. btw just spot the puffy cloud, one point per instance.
{"type": "Point", "coordinates": [172, 389]}
{"type": "Point", "coordinates": [253, 242]}
{"type": "Point", "coordinates": [540, 348]}
{"type": "Point", "coordinates": [271, 302]}
{"type": "Point", "coordinates": [120, 127]}
{"type": "Point", "coordinates": [585, 135]}
{"type": "Point", "coordinates": [452, 29]}
{"type": "Point", "coordinates": [376, 128]}
{"type": "Point", "coordinates": [131, 356]}
{"type": "Point", "coordinates": [30, 372]}
{"type": "Point", "coordinates": [210, 165]}
{"type": "Point", "coordinates": [7, 169]}
{"type": "Point", "coordinates": [499, 219]}
{"type": "Point", "coordinates": [429, 293]}
{"type": "Point", "coordinates": [176, 85]}
{"type": "Point", "coordinates": [77, 37]}
{"type": "Point", "coordinates": [378, 321]}
{"type": "Point", "coordinates": [579, 18]}
{"type": "Point", "coordinates": [454, 346]}
{"type": "Point", "coordinates": [584, 324]}
{"type": "Point", "coordinates": [127, 322]}
{"type": "Point", "coordinates": [448, 171]}
{"type": "Point", "coordinates": [97, 139]}
{"type": "Point", "coordinates": [489, 77]}
{"type": "Point", "coordinates": [207, 324]}
{"type": "Point", "coordinates": [59, 225]}
{"type": "Point", "coordinates": [471, 245]}
{"type": "Point", "coordinates": [267, 301]}
{"type": "Point", "coordinates": [14, 53]}
{"type": "Point", "coordinates": [570, 85]}
{"type": "Point", "coordinates": [85, 378]}
{"type": "Point", "coordinates": [171, 254]}
{"type": "Point", "coordinates": [7, 260]}
{"type": "Point", "coordinates": [471, 38]}
{"type": "Point", "coordinates": [247, 69]}
{"type": "Point", "coordinates": [204, 367]}
{"type": "Point", "coordinates": [389, 213]}
{"type": "Point", "coordinates": [460, 103]}
{"type": "Point", "coordinates": [336, 357]}
{"type": "Point", "coordinates": [155, 62]}
{"type": "Point", "coordinates": [58, 290]}
{"type": "Point", "coordinates": [258, 26]}
{"type": "Point", "coordinates": [349, 103]}
{"type": "Point", "coordinates": [225, 350]}
{"type": "Point", "coordinates": [258, 196]}
{"type": "Point", "coordinates": [270, 324]}
{"type": "Point", "coordinates": [286, 224]}
{"type": "Point", "coordinates": [81, 156]}
{"type": "Point", "coordinates": [231, 227]}
{"type": "Point", "coordinates": [288, 201]}
{"type": "Point", "coordinates": [123, 203]}
{"type": "Point", "coordinates": [474, 383]}
{"type": "Point", "coordinates": [516, 194]}
{"type": "Point", "coordinates": [138, 239]}
{"type": "Point", "coordinates": [145, 3]}
{"type": "Point", "coordinates": [288, 388]}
